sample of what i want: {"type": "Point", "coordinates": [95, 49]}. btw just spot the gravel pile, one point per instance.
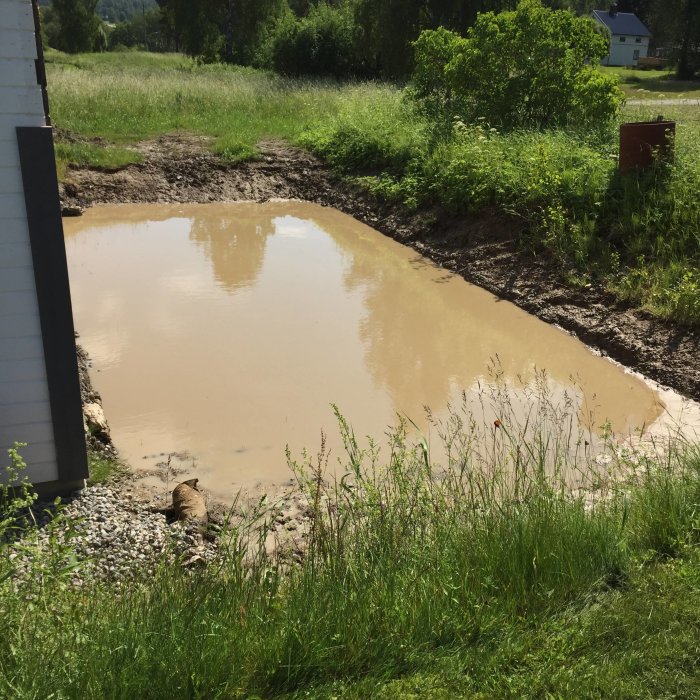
{"type": "Point", "coordinates": [114, 538]}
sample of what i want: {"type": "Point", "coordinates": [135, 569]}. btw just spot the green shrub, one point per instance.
{"type": "Point", "coordinates": [322, 43]}
{"type": "Point", "coordinates": [532, 67]}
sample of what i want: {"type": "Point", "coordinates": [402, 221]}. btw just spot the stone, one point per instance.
{"type": "Point", "coordinates": [95, 419]}
{"type": "Point", "coordinates": [188, 502]}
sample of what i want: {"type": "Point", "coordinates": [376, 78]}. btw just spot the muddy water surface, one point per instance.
{"type": "Point", "coordinates": [225, 331]}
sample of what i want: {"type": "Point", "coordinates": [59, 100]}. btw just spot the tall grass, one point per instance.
{"type": "Point", "coordinates": [403, 559]}
{"type": "Point", "coordinates": [127, 97]}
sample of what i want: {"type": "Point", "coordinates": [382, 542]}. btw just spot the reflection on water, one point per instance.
{"type": "Point", "coordinates": [227, 330]}
{"type": "Point", "coordinates": [235, 246]}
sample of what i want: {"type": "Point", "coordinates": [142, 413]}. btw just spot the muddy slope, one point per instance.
{"type": "Point", "coordinates": [483, 250]}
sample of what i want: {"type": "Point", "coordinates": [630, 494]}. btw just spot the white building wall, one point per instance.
{"type": "Point", "coordinates": [622, 53]}
{"type": "Point", "coordinates": [25, 414]}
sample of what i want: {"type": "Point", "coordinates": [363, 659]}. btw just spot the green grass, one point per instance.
{"type": "Point", "coordinates": [640, 84]}
{"type": "Point", "coordinates": [485, 578]}
{"type": "Point", "coordinates": [126, 97]}
{"type": "Point", "coordinates": [85, 154]}
{"type": "Point", "coordinates": [103, 467]}
{"type": "Point", "coordinates": [637, 236]}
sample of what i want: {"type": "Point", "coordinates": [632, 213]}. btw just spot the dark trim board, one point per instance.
{"type": "Point", "coordinates": [48, 490]}
{"type": "Point", "coordinates": [42, 202]}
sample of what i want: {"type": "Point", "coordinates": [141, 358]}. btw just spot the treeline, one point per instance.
{"type": "Point", "coordinates": [362, 38]}
{"type": "Point", "coordinates": [340, 38]}
{"type": "Point", "coordinates": [123, 10]}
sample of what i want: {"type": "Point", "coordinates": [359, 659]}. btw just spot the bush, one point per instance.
{"type": "Point", "coordinates": [322, 43]}
{"type": "Point", "coordinates": [532, 67]}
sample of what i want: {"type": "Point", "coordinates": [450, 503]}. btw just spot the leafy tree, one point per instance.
{"type": "Point", "coordinates": [676, 26]}
{"type": "Point", "coordinates": [78, 25]}
{"type": "Point", "coordinates": [532, 67]}
{"type": "Point", "coordinates": [322, 43]}
{"type": "Point", "coordinates": [147, 30]}
{"type": "Point", "coordinates": [389, 27]}
{"type": "Point", "coordinates": [228, 30]}
{"type": "Point", "coordinates": [50, 27]}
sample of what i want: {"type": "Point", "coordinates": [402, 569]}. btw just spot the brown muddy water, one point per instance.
{"type": "Point", "coordinates": [224, 332]}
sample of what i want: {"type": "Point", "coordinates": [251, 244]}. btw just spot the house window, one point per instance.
{"type": "Point", "coordinates": [639, 39]}
{"type": "Point", "coordinates": [623, 38]}
{"type": "Point", "coordinates": [635, 55]}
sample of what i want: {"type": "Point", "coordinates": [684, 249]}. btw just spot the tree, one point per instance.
{"type": "Point", "coordinates": [147, 30]}
{"type": "Point", "coordinates": [228, 30]}
{"type": "Point", "coordinates": [78, 25]}
{"type": "Point", "coordinates": [676, 25]}
{"type": "Point", "coordinates": [389, 27]}
{"type": "Point", "coordinates": [533, 67]}
{"type": "Point", "coordinates": [321, 43]}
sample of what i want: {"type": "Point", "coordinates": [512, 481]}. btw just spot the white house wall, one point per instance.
{"type": "Point", "coordinates": [622, 52]}
{"type": "Point", "coordinates": [25, 414]}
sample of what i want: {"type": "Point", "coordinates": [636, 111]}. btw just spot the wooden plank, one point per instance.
{"type": "Point", "coordinates": [14, 231]}
{"type": "Point", "coordinates": [27, 348]}
{"type": "Point", "coordinates": [22, 371]}
{"type": "Point", "coordinates": [14, 255]}
{"type": "Point", "coordinates": [35, 433]}
{"type": "Point", "coordinates": [8, 122]}
{"type": "Point", "coordinates": [10, 179]}
{"type": "Point", "coordinates": [46, 472]}
{"type": "Point", "coordinates": [23, 392]}
{"type": "Point", "coordinates": [18, 44]}
{"type": "Point", "coordinates": [16, 16]}
{"type": "Point", "coordinates": [21, 100]}
{"type": "Point", "coordinates": [20, 326]}
{"type": "Point", "coordinates": [34, 454]}
{"type": "Point", "coordinates": [17, 279]}
{"type": "Point", "coordinates": [12, 206]}
{"type": "Point", "coordinates": [25, 413]}
{"type": "Point", "coordinates": [19, 72]}
{"type": "Point", "coordinates": [12, 303]}
{"type": "Point", "coordinates": [9, 153]}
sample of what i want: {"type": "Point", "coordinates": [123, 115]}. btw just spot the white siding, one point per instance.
{"type": "Point", "coordinates": [25, 414]}
{"type": "Point", "coordinates": [622, 52]}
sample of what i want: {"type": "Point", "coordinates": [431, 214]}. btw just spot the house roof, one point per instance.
{"type": "Point", "coordinates": [622, 23]}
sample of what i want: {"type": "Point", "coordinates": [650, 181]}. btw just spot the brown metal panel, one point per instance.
{"type": "Point", "coordinates": [641, 143]}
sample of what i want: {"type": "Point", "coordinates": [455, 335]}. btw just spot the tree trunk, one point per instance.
{"type": "Point", "coordinates": [228, 32]}
{"type": "Point", "coordinates": [684, 71]}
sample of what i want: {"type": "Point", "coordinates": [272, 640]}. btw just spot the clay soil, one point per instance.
{"type": "Point", "coordinates": [485, 250]}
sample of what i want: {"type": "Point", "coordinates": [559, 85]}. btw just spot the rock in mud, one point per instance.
{"type": "Point", "coordinates": [95, 420]}
{"type": "Point", "coordinates": [188, 502]}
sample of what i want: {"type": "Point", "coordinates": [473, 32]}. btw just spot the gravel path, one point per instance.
{"type": "Point", "coordinates": [115, 538]}
{"type": "Point", "coordinates": [668, 102]}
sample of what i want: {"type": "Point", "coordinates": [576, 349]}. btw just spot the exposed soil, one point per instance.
{"type": "Point", "coordinates": [484, 250]}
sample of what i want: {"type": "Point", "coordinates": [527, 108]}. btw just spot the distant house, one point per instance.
{"type": "Point", "coordinates": [629, 38]}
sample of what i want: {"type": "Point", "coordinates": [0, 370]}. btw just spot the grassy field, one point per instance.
{"type": "Point", "coordinates": [491, 579]}
{"type": "Point", "coordinates": [126, 97]}
{"type": "Point", "coordinates": [653, 84]}
{"type": "Point", "coordinates": [637, 235]}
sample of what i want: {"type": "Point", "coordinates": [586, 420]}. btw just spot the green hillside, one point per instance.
{"type": "Point", "coordinates": [122, 10]}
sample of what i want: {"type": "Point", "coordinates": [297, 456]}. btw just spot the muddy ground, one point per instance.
{"type": "Point", "coordinates": [484, 250]}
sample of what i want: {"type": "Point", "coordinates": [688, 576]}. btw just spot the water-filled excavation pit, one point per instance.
{"type": "Point", "coordinates": [226, 331]}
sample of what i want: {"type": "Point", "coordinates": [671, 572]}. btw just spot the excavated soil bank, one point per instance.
{"type": "Point", "coordinates": [483, 249]}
